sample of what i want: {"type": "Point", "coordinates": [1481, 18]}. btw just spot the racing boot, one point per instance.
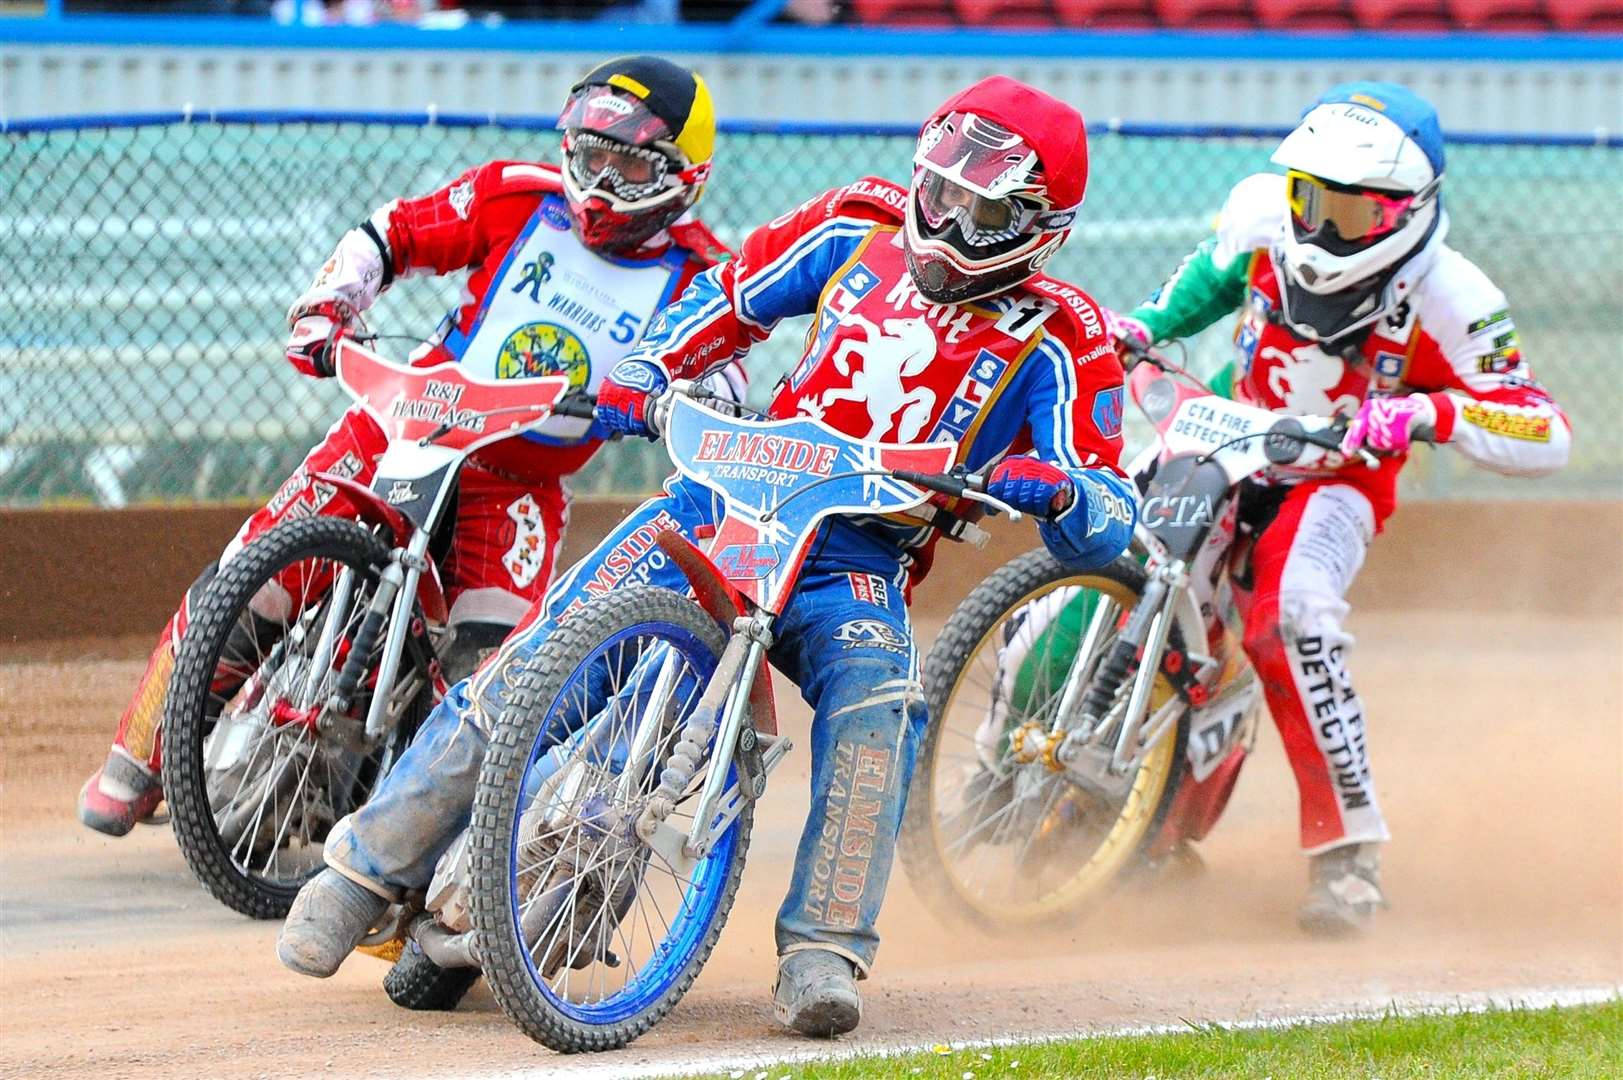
{"type": "Point", "coordinates": [329, 917]}
{"type": "Point", "coordinates": [126, 789]}
{"type": "Point", "coordinates": [816, 993]}
{"type": "Point", "coordinates": [1344, 891]}
{"type": "Point", "coordinates": [119, 794]}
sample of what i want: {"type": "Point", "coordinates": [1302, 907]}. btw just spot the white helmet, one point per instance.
{"type": "Point", "coordinates": [1363, 170]}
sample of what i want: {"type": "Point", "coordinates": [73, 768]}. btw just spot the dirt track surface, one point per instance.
{"type": "Point", "coordinates": [1498, 755]}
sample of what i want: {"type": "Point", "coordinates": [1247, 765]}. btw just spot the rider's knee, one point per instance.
{"type": "Point", "coordinates": [875, 697]}
{"type": "Point", "coordinates": [1313, 618]}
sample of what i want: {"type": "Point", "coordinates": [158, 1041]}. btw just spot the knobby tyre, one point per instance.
{"type": "Point", "coordinates": [606, 654]}
{"type": "Point", "coordinates": [259, 868]}
{"type": "Point", "coordinates": [1014, 846]}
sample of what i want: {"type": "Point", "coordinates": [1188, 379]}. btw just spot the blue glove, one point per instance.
{"type": "Point", "coordinates": [622, 400]}
{"type": "Point", "coordinates": [1031, 486]}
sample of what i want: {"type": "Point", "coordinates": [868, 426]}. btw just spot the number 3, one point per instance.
{"type": "Point", "coordinates": [625, 328]}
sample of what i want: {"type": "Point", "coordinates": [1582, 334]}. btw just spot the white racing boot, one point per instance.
{"type": "Point", "coordinates": [329, 917]}
{"type": "Point", "coordinates": [816, 993]}
{"type": "Point", "coordinates": [1344, 891]}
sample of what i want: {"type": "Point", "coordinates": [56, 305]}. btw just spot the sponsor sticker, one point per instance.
{"type": "Point", "coordinates": [523, 559]}
{"type": "Point", "coordinates": [1491, 321]}
{"type": "Point", "coordinates": [871, 634]}
{"type": "Point", "coordinates": [461, 197]}
{"type": "Point", "coordinates": [870, 589]}
{"type": "Point", "coordinates": [1107, 410]}
{"type": "Point", "coordinates": [748, 561]}
{"type": "Point", "coordinates": [1510, 425]}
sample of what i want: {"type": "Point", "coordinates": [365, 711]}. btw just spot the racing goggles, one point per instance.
{"type": "Point", "coordinates": [629, 173]}
{"type": "Point", "coordinates": [1357, 213]}
{"type": "Point", "coordinates": [984, 221]}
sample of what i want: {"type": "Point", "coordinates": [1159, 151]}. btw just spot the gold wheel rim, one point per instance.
{"type": "Point", "coordinates": [1132, 822]}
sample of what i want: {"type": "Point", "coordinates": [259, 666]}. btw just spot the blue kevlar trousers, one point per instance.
{"type": "Point", "coordinates": [844, 639]}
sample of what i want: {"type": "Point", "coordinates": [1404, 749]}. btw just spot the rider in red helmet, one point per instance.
{"type": "Point", "coordinates": [931, 322]}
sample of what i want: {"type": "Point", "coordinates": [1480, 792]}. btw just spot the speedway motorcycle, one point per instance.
{"type": "Point", "coordinates": [618, 793]}
{"type": "Point", "coordinates": [314, 654]}
{"type": "Point", "coordinates": [1084, 724]}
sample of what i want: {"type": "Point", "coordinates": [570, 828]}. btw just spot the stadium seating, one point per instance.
{"type": "Point", "coordinates": [1303, 14]}
{"type": "Point", "coordinates": [1504, 16]}
{"type": "Point", "coordinates": [903, 12]}
{"type": "Point", "coordinates": [1105, 14]}
{"type": "Point", "coordinates": [1598, 16]}
{"type": "Point", "coordinates": [1000, 13]}
{"type": "Point", "coordinates": [1205, 14]}
{"type": "Point", "coordinates": [1401, 14]}
{"type": "Point", "coordinates": [1499, 14]}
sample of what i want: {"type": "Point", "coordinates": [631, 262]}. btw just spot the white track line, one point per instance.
{"type": "Point", "coordinates": [688, 1062]}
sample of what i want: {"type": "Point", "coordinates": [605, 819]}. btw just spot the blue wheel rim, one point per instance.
{"type": "Point", "coordinates": [700, 902]}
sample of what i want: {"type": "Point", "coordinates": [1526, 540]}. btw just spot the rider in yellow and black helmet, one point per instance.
{"type": "Point", "coordinates": [638, 136]}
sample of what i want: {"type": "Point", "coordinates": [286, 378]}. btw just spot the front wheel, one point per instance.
{"type": "Point", "coordinates": [1007, 844]}
{"type": "Point", "coordinates": [253, 789]}
{"type": "Point", "coordinates": [588, 934]}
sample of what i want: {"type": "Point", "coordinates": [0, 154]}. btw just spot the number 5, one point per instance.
{"type": "Point", "coordinates": [625, 328]}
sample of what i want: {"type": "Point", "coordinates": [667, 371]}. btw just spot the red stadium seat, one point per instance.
{"type": "Point", "coordinates": [1499, 14]}
{"type": "Point", "coordinates": [904, 12]}
{"type": "Point", "coordinates": [1604, 16]}
{"type": "Point", "coordinates": [1212, 14]}
{"type": "Point", "coordinates": [1402, 14]}
{"type": "Point", "coordinates": [1106, 14]}
{"type": "Point", "coordinates": [1302, 14]}
{"type": "Point", "coordinates": [1011, 13]}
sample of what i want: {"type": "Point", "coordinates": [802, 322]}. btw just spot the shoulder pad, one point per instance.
{"type": "Point", "coordinates": [518, 177]}
{"type": "Point", "coordinates": [1251, 218]}
{"type": "Point", "coordinates": [872, 192]}
{"type": "Point", "coordinates": [1455, 300]}
{"type": "Point", "coordinates": [1084, 326]}
{"type": "Point", "coordinates": [694, 236]}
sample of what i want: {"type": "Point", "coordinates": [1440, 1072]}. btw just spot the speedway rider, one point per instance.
{"type": "Point", "coordinates": [567, 267]}
{"type": "Point", "coordinates": [1351, 303]}
{"type": "Point", "coordinates": [932, 322]}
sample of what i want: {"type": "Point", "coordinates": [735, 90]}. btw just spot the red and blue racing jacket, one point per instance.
{"type": "Point", "coordinates": [1029, 370]}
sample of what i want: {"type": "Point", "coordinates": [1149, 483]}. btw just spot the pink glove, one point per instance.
{"type": "Point", "coordinates": [1124, 328]}
{"type": "Point", "coordinates": [1387, 424]}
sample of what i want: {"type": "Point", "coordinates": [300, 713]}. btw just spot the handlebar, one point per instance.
{"type": "Point", "coordinates": [967, 485]}
{"type": "Point", "coordinates": [578, 404]}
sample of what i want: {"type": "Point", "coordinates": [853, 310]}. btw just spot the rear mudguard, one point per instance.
{"type": "Point", "coordinates": [724, 604]}
{"type": "Point", "coordinates": [369, 507]}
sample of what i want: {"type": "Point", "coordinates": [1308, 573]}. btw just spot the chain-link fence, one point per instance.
{"type": "Point", "coordinates": [148, 266]}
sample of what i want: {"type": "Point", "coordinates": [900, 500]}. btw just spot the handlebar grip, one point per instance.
{"type": "Point", "coordinates": [577, 404]}
{"type": "Point", "coordinates": [944, 483]}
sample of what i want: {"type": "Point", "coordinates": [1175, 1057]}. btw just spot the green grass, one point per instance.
{"type": "Point", "coordinates": [1578, 1042]}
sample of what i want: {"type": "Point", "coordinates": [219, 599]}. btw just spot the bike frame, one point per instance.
{"type": "Point", "coordinates": [778, 481]}
{"type": "Point", "coordinates": [434, 419]}
{"type": "Point", "coordinates": [1207, 445]}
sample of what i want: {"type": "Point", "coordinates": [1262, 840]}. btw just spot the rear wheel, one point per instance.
{"type": "Point", "coordinates": [252, 787]}
{"type": "Point", "coordinates": [588, 934]}
{"type": "Point", "coordinates": [1007, 844]}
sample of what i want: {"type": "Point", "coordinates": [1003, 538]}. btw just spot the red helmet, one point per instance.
{"type": "Point", "coordinates": [998, 178]}
{"type": "Point", "coordinates": [638, 135]}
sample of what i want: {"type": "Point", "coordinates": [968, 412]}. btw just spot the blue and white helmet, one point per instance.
{"type": "Point", "coordinates": [1363, 170]}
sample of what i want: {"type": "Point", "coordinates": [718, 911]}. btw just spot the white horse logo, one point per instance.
{"type": "Point", "coordinates": [1304, 378]}
{"type": "Point", "coordinates": [901, 350]}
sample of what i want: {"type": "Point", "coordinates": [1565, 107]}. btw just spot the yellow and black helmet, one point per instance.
{"type": "Point", "coordinates": [639, 133]}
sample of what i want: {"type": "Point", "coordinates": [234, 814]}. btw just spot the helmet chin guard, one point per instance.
{"type": "Point", "coordinates": [998, 178]}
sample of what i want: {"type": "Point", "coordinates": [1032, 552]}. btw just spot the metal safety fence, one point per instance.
{"type": "Point", "coordinates": [146, 264]}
